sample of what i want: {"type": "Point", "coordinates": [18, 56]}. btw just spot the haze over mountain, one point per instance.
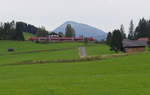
{"type": "Point", "coordinates": [83, 30]}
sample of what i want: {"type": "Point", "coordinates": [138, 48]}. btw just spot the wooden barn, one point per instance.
{"type": "Point", "coordinates": [131, 46]}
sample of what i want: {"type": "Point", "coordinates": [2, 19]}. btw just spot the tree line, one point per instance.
{"type": "Point", "coordinates": [27, 27]}
{"type": "Point", "coordinates": [14, 30]}
{"type": "Point", "coordinates": [142, 30]}
{"type": "Point", "coordinates": [11, 31]}
{"type": "Point", "coordinates": [115, 38]}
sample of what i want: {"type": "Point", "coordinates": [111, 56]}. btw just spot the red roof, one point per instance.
{"type": "Point", "coordinates": [90, 39]}
{"type": "Point", "coordinates": [59, 38]}
{"type": "Point", "coordinates": [143, 39]}
{"type": "Point", "coordinates": [33, 39]}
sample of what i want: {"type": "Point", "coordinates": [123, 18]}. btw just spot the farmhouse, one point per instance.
{"type": "Point", "coordinates": [130, 46]}
{"type": "Point", "coordinates": [53, 34]}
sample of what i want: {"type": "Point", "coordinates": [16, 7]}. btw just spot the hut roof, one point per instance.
{"type": "Point", "coordinates": [134, 43]}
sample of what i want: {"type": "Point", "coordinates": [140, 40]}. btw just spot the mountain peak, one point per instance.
{"type": "Point", "coordinates": [83, 30]}
{"type": "Point", "coordinates": [70, 22]}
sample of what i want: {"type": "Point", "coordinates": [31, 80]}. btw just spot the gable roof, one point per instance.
{"type": "Point", "coordinates": [134, 43]}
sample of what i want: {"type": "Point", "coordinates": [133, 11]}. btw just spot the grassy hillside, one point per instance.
{"type": "Point", "coordinates": [126, 75]}
{"type": "Point", "coordinates": [25, 51]}
{"type": "Point", "coordinates": [28, 35]}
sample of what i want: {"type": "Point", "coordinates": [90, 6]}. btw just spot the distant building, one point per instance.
{"type": "Point", "coordinates": [130, 46]}
{"type": "Point", "coordinates": [144, 39]}
{"type": "Point", "coordinates": [53, 35]}
{"type": "Point", "coordinates": [55, 38]}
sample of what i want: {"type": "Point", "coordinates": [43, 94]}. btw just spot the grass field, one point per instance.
{"type": "Point", "coordinates": [28, 35]}
{"type": "Point", "coordinates": [124, 75]}
{"type": "Point", "coordinates": [25, 51]}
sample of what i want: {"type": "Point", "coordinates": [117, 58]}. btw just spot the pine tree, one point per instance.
{"type": "Point", "coordinates": [108, 39]}
{"type": "Point", "coordinates": [141, 29]}
{"type": "Point", "coordinates": [122, 31]}
{"type": "Point", "coordinates": [148, 28]}
{"type": "Point", "coordinates": [1, 31]}
{"type": "Point", "coordinates": [131, 35]}
{"type": "Point", "coordinates": [116, 42]}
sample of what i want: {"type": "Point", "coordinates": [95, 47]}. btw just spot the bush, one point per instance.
{"type": "Point", "coordinates": [37, 41]}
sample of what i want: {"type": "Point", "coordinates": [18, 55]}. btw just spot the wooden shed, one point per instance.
{"type": "Point", "coordinates": [130, 46]}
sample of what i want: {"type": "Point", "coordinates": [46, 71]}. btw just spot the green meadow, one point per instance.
{"type": "Point", "coordinates": [28, 35]}
{"type": "Point", "coordinates": [121, 75]}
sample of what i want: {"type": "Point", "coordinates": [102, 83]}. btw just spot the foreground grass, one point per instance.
{"type": "Point", "coordinates": [129, 75]}
{"type": "Point", "coordinates": [126, 75]}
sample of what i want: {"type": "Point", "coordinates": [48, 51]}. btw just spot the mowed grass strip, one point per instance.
{"type": "Point", "coordinates": [68, 60]}
{"type": "Point", "coordinates": [54, 55]}
{"type": "Point", "coordinates": [28, 46]}
{"type": "Point", "coordinates": [129, 75]}
{"type": "Point", "coordinates": [38, 51]}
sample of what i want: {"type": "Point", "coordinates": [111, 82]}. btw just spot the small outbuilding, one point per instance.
{"type": "Point", "coordinates": [131, 46]}
{"type": "Point", "coordinates": [53, 34]}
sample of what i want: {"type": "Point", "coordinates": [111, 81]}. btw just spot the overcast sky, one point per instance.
{"type": "Point", "coordinates": [103, 14]}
